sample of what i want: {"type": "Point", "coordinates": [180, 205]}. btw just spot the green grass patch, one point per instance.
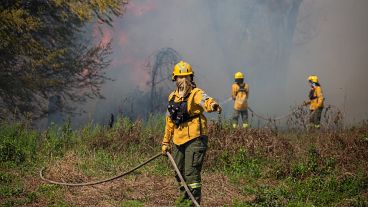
{"type": "Point", "coordinates": [13, 192]}
{"type": "Point", "coordinates": [132, 203]}
{"type": "Point", "coordinates": [53, 194]}
{"type": "Point", "coordinates": [312, 191]}
{"type": "Point", "coordinates": [10, 185]}
{"type": "Point", "coordinates": [17, 143]}
{"type": "Point", "coordinates": [240, 165]}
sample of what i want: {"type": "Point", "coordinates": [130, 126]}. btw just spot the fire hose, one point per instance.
{"type": "Point", "coordinates": [263, 117]}
{"type": "Point", "coordinates": [275, 118]}
{"type": "Point", "coordinates": [293, 110]}
{"type": "Point", "coordinates": [126, 173]}
{"type": "Point", "coordinates": [288, 114]}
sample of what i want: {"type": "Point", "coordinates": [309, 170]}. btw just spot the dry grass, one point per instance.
{"type": "Point", "coordinates": [348, 149]}
{"type": "Point", "coordinates": [152, 190]}
{"type": "Point", "coordinates": [64, 170]}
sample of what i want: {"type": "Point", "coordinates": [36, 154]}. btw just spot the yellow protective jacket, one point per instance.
{"type": "Point", "coordinates": [234, 91]}
{"type": "Point", "coordinates": [197, 102]}
{"type": "Point", "coordinates": [316, 99]}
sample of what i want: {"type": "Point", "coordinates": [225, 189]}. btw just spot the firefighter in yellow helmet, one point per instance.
{"type": "Point", "coordinates": [240, 93]}
{"type": "Point", "coordinates": [315, 102]}
{"type": "Point", "coordinates": [187, 127]}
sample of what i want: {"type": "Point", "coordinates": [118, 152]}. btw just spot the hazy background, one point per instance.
{"type": "Point", "coordinates": [276, 43]}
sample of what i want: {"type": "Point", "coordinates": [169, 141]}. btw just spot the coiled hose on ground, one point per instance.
{"type": "Point", "coordinates": [123, 174]}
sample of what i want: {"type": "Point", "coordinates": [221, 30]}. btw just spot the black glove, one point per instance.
{"type": "Point", "coordinates": [217, 107]}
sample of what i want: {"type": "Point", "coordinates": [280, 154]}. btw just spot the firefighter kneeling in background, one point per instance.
{"type": "Point", "coordinates": [187, 125]}
{"type": "Point", "coordinates": [240, 93]}
{"type": "Point", "coordinates": [315, 102]}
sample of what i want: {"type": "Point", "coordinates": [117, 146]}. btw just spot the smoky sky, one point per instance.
{"type": "Point", "coordinates": [276, 43]}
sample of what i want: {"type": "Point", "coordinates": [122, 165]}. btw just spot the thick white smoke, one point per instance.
{"type": "Point", "coordinates": [262, 38]}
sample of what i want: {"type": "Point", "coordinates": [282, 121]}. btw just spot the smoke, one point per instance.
{"type": "Point", "coordinates": [276, 43]}
{"type": "Point", "coordinates": [337, 53]}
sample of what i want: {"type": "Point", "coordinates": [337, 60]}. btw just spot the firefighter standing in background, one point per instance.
{"type": "Point", "coordinates": [240, 93]}
{"type": "Point", "coordinates": [187, 126]}
{"type": "Point", "coordinates": [315, 102]}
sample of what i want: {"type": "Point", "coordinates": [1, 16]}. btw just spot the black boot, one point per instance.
{"type": "Point", "coordinates": [184, 199]}
{"type": "Point", "coordinates": [196, 192]}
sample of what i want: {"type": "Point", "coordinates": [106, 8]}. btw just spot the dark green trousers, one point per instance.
{"type": "Point", "coordinates": [189, 159]}
{"type": "Point", "coordinates": [315, 117]}
{"type": "Point", "coordinates": [242, 114]}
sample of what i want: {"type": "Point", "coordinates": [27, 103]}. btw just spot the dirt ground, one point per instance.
{"type": "Point", "coordinates": [151, 190]}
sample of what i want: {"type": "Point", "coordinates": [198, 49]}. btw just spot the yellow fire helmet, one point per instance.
{"type": "Point", "coordinates": [181, 68]}
{"type": "Point", "coordinates": [239, 75]}
{"type": "Point", "coordinates": [313, 79]}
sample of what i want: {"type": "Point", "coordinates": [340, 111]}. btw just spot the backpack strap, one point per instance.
{"type": "Point", "coordinates": [241, 88]}
{"type": "Point", "coordinates": [171, 96]}
{"type": "Point", "coordinates": [311, 94]}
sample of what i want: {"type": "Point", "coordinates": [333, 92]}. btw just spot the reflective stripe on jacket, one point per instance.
{"type": "Point", "coordinates": [198, 101]}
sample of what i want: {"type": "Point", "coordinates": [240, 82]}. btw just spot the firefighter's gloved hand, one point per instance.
{"type": "Point", "coordinates": [216, 107]}
{"type": "Point", "coordinates": [165, 148]}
